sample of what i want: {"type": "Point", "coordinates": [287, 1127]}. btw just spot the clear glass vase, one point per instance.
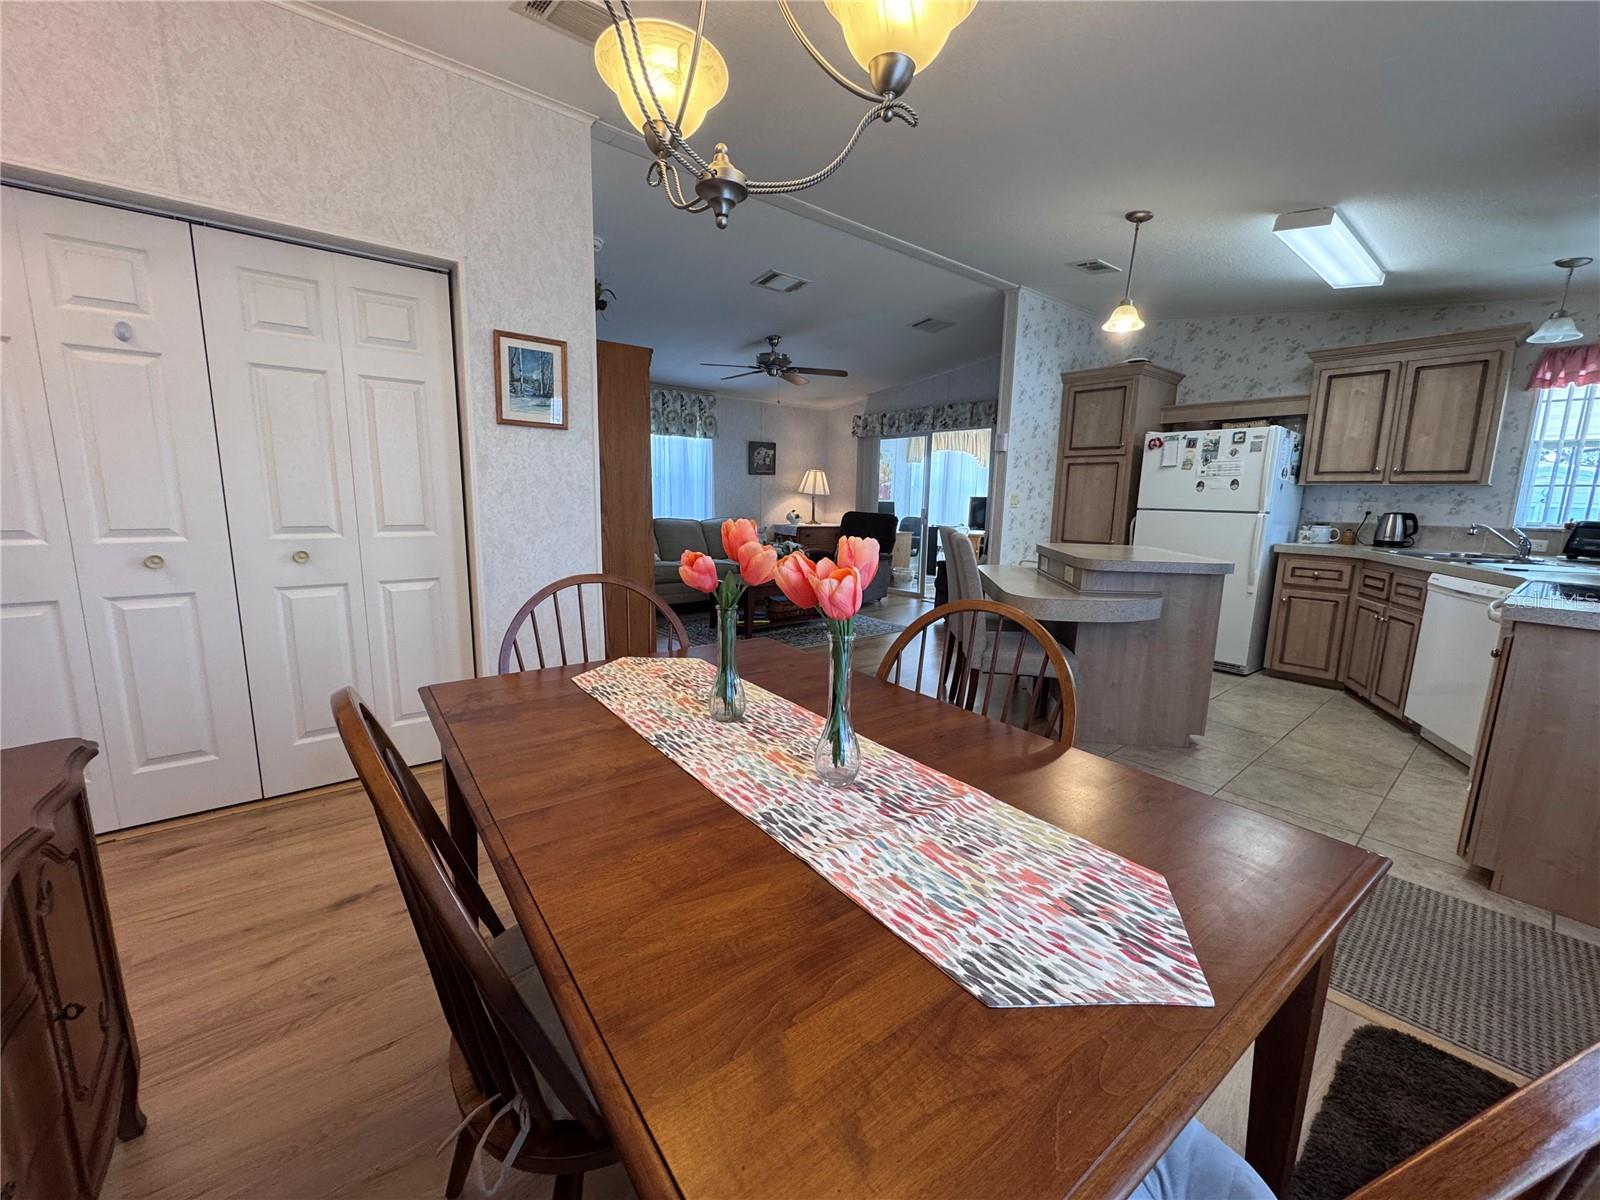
{"type": "Point", "coordinates": [837, 757]}
{"type": "Point", "coordinates": [726, 702]}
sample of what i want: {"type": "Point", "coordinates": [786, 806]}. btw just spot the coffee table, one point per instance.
{"type": "Point", "coordinates": [762, 594]}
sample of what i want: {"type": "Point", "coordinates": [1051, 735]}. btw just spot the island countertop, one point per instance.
{"type": "Point", "coordinates": [1045, 599]}
{"type": "Point", "coordinates": [1092, 556]}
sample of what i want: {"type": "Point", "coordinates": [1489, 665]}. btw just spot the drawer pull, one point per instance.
{"type": "Point", "coordinates": [1495, 653]}
{"type": "Point", "coordinates": [70, 1012]}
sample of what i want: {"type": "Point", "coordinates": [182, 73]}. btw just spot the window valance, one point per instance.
{"type": "Point", "coordinates": [1568, 366]}
{"type": "Point", "coordinates": [902, 422]}
{"type": "Point", "coordinates": [679, 412]}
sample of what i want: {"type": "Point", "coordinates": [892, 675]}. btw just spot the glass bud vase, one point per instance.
{"type": "Point", "coordinates": [726, 702]}
{"type": "Point", "coordinates": [837, 757]}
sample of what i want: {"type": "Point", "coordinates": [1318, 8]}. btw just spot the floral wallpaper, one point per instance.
{"type": "Point", "coordinates": [1248, 357]}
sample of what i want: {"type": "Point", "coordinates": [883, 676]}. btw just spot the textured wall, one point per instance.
{"type": "Point", "coordinates": [277, 117]}
{"type": "Point", "coordinates": [806, 437]}
{"type": "Point", "coordinates": [1242, 358]}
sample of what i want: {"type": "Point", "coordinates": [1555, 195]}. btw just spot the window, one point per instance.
{"type": "Point", "coordinates": [1562, 468]}
{"type": "Point", "coordinates": [680, 476]}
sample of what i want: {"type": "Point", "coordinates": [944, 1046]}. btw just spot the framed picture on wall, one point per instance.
{"type": "Point", "coordinates": [530, 380]}
{"type": "Point", "coordinates": [763, 458]}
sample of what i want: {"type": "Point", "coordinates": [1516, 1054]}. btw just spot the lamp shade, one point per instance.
{"type": "Point", "coordinates": [814, 483]}
{"type": "Point", "coordinates": [1558, 328]}
{"type": "Point", "coordinates": [916, 28]}
{"type": "Point", "coordinates": [668, 48]}
{"type": "Point", "coordinates": [1124, 318]}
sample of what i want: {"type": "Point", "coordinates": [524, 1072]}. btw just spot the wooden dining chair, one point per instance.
{"type": "Point", "coordinates": [613, 590]}
{"type": "Point", "coordinates": [1539, 1143]}
{"type": "Point", "coordinates": [981, 644]}
{"type": "Point", "coordinates": [517, 1081]}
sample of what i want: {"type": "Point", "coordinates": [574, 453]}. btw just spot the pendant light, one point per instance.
{"type": "Point", "coordinates": [1560, 327]}
{"type": "Point", "coordinates": [1125, 317]}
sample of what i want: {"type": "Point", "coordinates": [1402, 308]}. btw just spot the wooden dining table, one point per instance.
{"type": "Point", "coordinates": [749, 1031]}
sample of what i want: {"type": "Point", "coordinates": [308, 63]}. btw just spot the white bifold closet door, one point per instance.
{"type": "Point", "coordinates": [334, 391]}
{"type": "Point", "coordinates": [117, 321]}
{"type": "Point", "coordinates": [47, 686]}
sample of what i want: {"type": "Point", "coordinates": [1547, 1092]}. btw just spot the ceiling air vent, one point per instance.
{"type": "Point", "coordinates": [778, 281]}
{"type": "Point", "coordinates": [1096, 266]}
{"type": "Point", "coordinates": [932, 325]}
{"type": "Point", "coordinates": [582, 19]}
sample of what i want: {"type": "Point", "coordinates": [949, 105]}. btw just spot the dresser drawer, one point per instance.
{"type": "Point", "coordinates": [1372, 583]}
{"type": "Point", "coordinates": [1410, 588]}
{"type": "Point", "coordinates": [1316, 572]}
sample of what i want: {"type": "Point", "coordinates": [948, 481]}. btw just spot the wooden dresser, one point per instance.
{"type": "Point", "coordinates": [70, 1066]}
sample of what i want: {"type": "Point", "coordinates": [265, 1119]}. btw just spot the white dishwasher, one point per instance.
{"type": "Point", "coordinates": [1451, 671]}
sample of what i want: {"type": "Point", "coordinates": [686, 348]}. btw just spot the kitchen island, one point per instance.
{"type": "Point", "coordinates": [1142, 624]}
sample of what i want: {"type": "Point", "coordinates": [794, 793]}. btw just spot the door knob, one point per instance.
{"type": "Point", "coordinates": [154, 561]}
{"type": "Point", "coordinates": [301, 556]}
{"type": "Point", "coordinates": [122, 331]}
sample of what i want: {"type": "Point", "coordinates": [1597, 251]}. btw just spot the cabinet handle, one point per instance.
{"type": "Point", "coordinates": [70, 1012]}
{"type": "Point", "coordinates": [1495, 653]}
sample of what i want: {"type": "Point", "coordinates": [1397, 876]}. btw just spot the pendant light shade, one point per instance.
{"type": "Point", "coordinates": [1125, 317]}
{"type": "Point", "coordinates": [1559, 326]}
{"type": "Point", "coordinates": [916, 28]}
{"type": "Point", "coordinates": [668, 48]}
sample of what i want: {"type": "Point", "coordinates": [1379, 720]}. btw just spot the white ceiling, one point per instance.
{"type": "Point", "coordinates": [1461, 140]}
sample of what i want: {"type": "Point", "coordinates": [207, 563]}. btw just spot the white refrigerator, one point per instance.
{"type": "Point", "coordinates": [1230, 494]}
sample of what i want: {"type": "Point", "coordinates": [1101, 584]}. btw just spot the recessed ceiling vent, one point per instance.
{"type": "Point", "coordinates": [1096, 266]}
{"type": "Point", "coordinates": [582, 19]}
{"type": "Point", "coordinates": [932, 325]}
{"type": "Point", "coordinates": [778, 281]}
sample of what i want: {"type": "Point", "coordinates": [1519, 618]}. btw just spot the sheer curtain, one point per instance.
{"type": "Point", "coordinates": [680, 476]}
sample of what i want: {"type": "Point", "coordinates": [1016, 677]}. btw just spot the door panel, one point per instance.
{"type": "Point", "coordinates": [399, 381]}
{"type": "Point", "coordinates": [1307, 634]}
{"type": "Point", "coordinates": [1391, 675]}
{"type": "Point", "coordinates": [1348, 431]}
{"type": "Point", "coordinates": [114, 304]}
{"type": "Point", "coordinates": [1096, 419]}
{"type": "Point", "coordinates": [272, 334]}
{"type": "Point", "coordinates": [1093, 500]}
{"type": "Point", "coordinates": [1443, 428]}
{"type": "Point", "coordinates": [1363, 646]}
{"type": "Point", "coordinates": [47, 688]}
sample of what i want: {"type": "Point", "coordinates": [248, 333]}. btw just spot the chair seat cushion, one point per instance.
{"type": "Point", "coordinates": [511, 950]}
{"type": "Point", "coordinates": [1199, 1165]}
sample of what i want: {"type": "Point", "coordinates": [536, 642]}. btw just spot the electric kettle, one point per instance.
{"type": "Point", "coordinates": [1395, 529]}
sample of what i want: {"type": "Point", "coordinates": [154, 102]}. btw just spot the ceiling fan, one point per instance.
{"type": "Point", "coordinates": [778, 365]}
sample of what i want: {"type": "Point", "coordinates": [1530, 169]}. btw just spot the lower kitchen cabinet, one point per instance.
{"type": "Point", "coordinates": [1307, 633]}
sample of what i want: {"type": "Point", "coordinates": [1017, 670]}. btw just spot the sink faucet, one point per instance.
{"type": "Point", "coordinates": [1522, 544]}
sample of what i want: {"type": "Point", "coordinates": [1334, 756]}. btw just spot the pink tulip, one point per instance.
{"type": "Point", "coordinates": [698, 570]}
{"type": "Point", "coordinates": [797, 577]}
{"type": "Point", "coordinates": [736, 534]}
{"type": "Point", "coordinates": [839, 593]}
{"type": "Point", "coordinates": [860, 553]}
{"type": "Point", "coordinates": [757, 562]}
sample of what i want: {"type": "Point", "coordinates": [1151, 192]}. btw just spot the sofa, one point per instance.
{"type": "Point", "coordinates": [672, 536]}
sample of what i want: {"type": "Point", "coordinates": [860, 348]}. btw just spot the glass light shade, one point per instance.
{"type": "Point", "coordinates": [915, 28]}
{"type": "Point", "coordinates": [1124, 318]}
{"type": "Point", "coordinates": [1559, 328]}
{"type": "Point", "coordinates": [668, 47]}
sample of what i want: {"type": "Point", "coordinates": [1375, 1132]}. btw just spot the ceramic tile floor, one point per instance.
{"type": "Point", "coordinates": [1321, 758]}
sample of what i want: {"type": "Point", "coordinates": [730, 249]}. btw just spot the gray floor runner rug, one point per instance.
{"type": "Point", "coordinates": [1391, 1095]}
{"type": "Point", "coordinates": [1515, 993]}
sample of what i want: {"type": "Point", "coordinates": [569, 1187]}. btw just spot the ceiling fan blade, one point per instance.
{"type": "Point", "coordinates": [821, 371]}
{"type": "Point", "coordinates": [794, 377]}
{"type": "Point", "coordinates": [740, 375]}
{"type": "Point", "coordinates": [741, 366]}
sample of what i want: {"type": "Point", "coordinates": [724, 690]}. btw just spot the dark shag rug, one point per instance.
{"type": "Point", "coordinates": [810, 631]}
{"type": "Point", "coordinates": [1391, 1095]}
{"type": "Point", "coordinates": [1517, 994]}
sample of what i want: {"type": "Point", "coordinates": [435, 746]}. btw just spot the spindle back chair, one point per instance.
{"type": "Point", "coordinates": [624, 592]}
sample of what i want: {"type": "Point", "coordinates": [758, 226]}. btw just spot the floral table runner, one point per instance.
{"type": "Point", "coordinates": [1018, 911]}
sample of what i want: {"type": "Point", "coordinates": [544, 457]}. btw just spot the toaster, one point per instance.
{"type": "Point", "coordinates": [1583, 541]}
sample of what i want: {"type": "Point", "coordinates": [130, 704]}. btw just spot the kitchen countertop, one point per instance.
{"type": "Point", "coordinates": [1044, 599]}
{"type": "Point", "coordinates": [1531, 601]}
{"type": "Point", "coordinates": [1089, 556]}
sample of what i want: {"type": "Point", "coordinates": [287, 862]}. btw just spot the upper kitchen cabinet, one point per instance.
{"type": "Point", "coordinates": [1104, 415]}
{"type": "Point", "coordinates": [1420, 411]}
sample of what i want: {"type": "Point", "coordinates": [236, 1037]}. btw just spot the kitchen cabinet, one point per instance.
{"type": "Point", "coordinates": [1308, 619]}
{"type": "Point", "coordinates": [1104, 416]}
{"type": "Point", "coordinates": [1426, 410]}
{"type": "Point", "coordinates": [1381, 641]}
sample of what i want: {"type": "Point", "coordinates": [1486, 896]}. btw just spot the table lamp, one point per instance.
{"type": "Point", "coordinates": [814, 483]}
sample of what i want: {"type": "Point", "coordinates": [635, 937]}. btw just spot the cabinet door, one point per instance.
{"type": "Point", "coordinates": [1446, 420]}
{"type": "Point", "coordinates": [1391, 672]}
{"type": "Point", "coordinates": [1093, 500]}
{"type": "Point", "coordinates": [1307, 634]}
{"type": "Point", "coordinates": [1348, 430]}
{"type": "Point", "coordinates": [36, 1143]}
{"type": "Point", "coordinates": [1095, 418]}
{"type": "Point", "coordinates": [1361, 646]}
{"type": "Point", "coordinates": [117, 315]}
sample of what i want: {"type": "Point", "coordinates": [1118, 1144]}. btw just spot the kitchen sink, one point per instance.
{"type": "Point", "coordinates": [1461, 556]}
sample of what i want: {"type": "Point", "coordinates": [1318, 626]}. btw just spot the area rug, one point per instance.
{"type": "Point", "coordinates": [801, 634]}
{"type": "Point", "coordinates": [1517, 994]}
{"type": "Point", "coordinates": [1391, 1095]}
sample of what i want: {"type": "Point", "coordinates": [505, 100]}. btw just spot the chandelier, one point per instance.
{"type": "Point", "coordinates": [667, 77]}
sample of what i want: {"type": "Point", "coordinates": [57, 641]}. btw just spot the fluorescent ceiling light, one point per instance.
{"type": "Point", "coordinates": [1329, 247]}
